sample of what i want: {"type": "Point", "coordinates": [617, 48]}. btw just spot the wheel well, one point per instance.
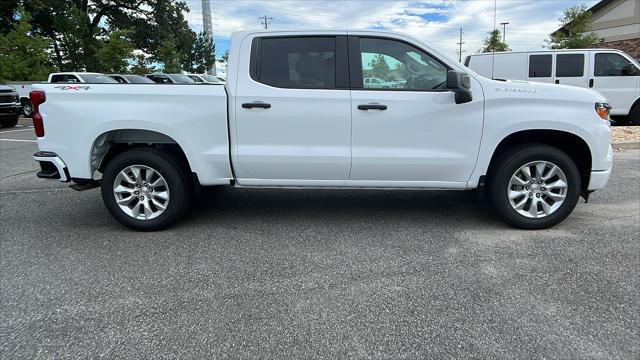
{"type": "Point", "coordinates": [571, 144]}
{"type": "Point", "coordinates": [113, 143]}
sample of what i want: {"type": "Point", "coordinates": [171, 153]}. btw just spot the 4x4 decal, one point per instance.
{"type": "Point", "coordinates": [73, 87]}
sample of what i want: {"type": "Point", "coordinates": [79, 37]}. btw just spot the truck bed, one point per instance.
{"type": "Point", "coordinates": [81, 118]}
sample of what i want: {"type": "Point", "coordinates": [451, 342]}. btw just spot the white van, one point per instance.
{"type": "Point", "coordinates": [613, 73]}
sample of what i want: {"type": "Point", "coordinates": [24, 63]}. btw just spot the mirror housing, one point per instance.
{"type": "Point", "coordinates": [460, 84]}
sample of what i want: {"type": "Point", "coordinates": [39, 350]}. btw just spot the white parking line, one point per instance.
{"type": "Point", "coordinates": [8, 131]}
{"type": "Point", "coordinates": [18, 140]}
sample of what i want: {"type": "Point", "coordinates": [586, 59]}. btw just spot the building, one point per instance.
{"type": "Point", "coordinates": [617, 25]}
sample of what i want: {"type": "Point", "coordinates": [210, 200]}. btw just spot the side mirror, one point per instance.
{"type": "Point", "coordinates": [460, 84]}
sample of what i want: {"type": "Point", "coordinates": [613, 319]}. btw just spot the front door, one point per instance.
{"type": "Point", "coordinates": [293, 113]}
{"type": "Point", "coordinates": [407, 129]}
{"type": "Point", "coordinates": [617, 79]}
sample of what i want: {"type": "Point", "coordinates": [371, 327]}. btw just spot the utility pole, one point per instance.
{"type": "Point", "coordinates": [208, 30]}
{"type": "Point", "coordinates": [460, 51]}
{"type": "Point", "coordinates": [504, 31]}
{"type": "Point", "coordinates": [265, 20]}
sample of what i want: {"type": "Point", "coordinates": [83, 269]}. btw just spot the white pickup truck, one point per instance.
{"type": "Point", "coordinates": [294, 113]}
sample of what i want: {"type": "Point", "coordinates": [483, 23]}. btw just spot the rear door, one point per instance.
{"type": "Point", "coordinates": [571, 69]}
{"type": "Point", "coordinates": [616, 78]}
{"type": "Point", "coordinates": [293, 111]}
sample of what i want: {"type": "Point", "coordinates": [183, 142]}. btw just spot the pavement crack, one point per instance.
{"type": "Point", "coordinates": [34, 191]}
{"type": "Point", "coordinates": [22, 173]}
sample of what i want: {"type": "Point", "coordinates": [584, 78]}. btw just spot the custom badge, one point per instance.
{"type": "Point", "coordinates": [517, 90]}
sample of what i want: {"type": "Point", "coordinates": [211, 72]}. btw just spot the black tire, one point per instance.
{"type": "Point", "coordinates": [509, 162]}
{"type": "Point", "coordinates": [634, 114]}
{"type": "Point", "coordinates": [174, 174]}
{"type": "Point", "coordinates": [9, 122]}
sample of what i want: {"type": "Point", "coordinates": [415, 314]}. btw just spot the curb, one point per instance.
{"type": "Point", "coordinates": [629, 145]}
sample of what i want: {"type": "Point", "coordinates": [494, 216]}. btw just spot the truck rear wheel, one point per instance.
{"type": "Point", "coordinates": [9, 122]}
{"type": "Point", "coordinates": [145, 189]}
{"type": "Point", "coordinates": [534, 186]}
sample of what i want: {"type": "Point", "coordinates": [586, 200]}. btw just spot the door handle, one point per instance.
{"type": "Point", "coordinates": [590, 83]}
{"type": "Point", "coordinates": [372, 107]}
{"type": "Point", "coordinates": [256, 105]}
{"type": "Point", "coordinates": [557, 81]}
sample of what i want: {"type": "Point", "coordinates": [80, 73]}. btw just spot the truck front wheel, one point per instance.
{"type": "Point", "coordinates": [145, 189]}
{"type": "Point", "coordinates": [534, 186]}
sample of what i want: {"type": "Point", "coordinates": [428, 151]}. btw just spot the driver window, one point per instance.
{"type": "Point", "coordinates": [390, 64]}
{"type": "Point", "coordinates": [610, 64]}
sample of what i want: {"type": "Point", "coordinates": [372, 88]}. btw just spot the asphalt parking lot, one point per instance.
{"type": "Point", "coordinates": [297, 273]}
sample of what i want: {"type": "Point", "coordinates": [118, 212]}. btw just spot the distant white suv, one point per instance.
{"type": "Point", "coordinates": [294, 113]}
{"type": "Point", "coordinates": [205, 79]}
{"type": "Point", "coordinates": [613, 73]}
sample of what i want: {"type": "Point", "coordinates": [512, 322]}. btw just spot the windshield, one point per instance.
{"type": "Point", "coordinates": [137, 79]}
{"type": "Point", "coordinates": [182, 79]}
{"type": "Point", "coordinates": [97, 79]}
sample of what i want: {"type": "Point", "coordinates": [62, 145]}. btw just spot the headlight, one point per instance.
{"type": "Point", "coordinates": [603, 110]}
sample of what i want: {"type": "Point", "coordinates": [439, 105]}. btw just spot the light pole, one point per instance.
{"type": "Point", "coordinates": [504, 31]}
{"type": "Point", "coordinates": [208, 31]}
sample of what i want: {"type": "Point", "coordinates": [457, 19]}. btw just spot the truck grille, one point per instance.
{"type": "Point", "coordinates": [8, 99]}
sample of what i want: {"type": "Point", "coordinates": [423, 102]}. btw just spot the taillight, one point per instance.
{"type": "Point", "coordinates": [37, 98]}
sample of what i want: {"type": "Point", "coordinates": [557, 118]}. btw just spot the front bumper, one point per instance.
{"type": "Point", "coordinates": [600, 178]}
{"type": "Point", "coordinates": [52, 166]}
{"type": "Point", "coordinates": [12, 110]}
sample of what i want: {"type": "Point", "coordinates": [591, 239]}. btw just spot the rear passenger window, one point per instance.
{"type": "Point", "coordinates": [569, 65]}
{"type": "Point", "coordinates": [300, 62]}
{"type": "Point", "coordinates": [540, 66]}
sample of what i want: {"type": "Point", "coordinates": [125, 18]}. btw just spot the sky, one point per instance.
{"type": "Point", "coordinates": [435, 22]}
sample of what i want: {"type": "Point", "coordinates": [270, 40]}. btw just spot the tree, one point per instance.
{"type": "Point", "coordinates": [115, 52]}
{"type": "Point", "coordinates": [168, 56]}
{"type": "Point", "coordinates": [8, 9]}
{"type": "Point", "coordinates": [225, 56]}
{"type": "Point", "coordinates": [493, 43]}
{"type": "Point", "coordinates": [201, 56]}
{"type": "Point", "coordinates": [142, 65]}
{"type": "Point", "coordinates": [379, 67]}
{"type": "Point", "coordinates": [23, 54]}
{"type": "Point", "coordinates": [79, 29]}
{"type": "Point", "coordinates": [575, 30]}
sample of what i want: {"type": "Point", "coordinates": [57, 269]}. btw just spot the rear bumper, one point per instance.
{"type": "Point", "coordinates": [52, 166]}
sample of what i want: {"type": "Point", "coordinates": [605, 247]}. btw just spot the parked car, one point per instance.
{"type": "Point", "coordinates": [23, 88]}
{"type": "Point", "coordinates": [80, 77]}
{"type": "Point", "coordinates": [131, 79]}
{"type": "Point", "coordinates": [534, 147]}
{"type": "Point", "coordinates": [613, 73]}
{"type": "Point", "coordinates": [171, 79]}
{"type": "Point", "coordinates": [205, 79]}
{"type": "Point", "coordinates": [9, 106]}
{"type": "Point", "coordinates": [374, 82]}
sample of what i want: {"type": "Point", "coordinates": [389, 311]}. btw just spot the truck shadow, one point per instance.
{"type": "Point", "coordinates": [343, 205]}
